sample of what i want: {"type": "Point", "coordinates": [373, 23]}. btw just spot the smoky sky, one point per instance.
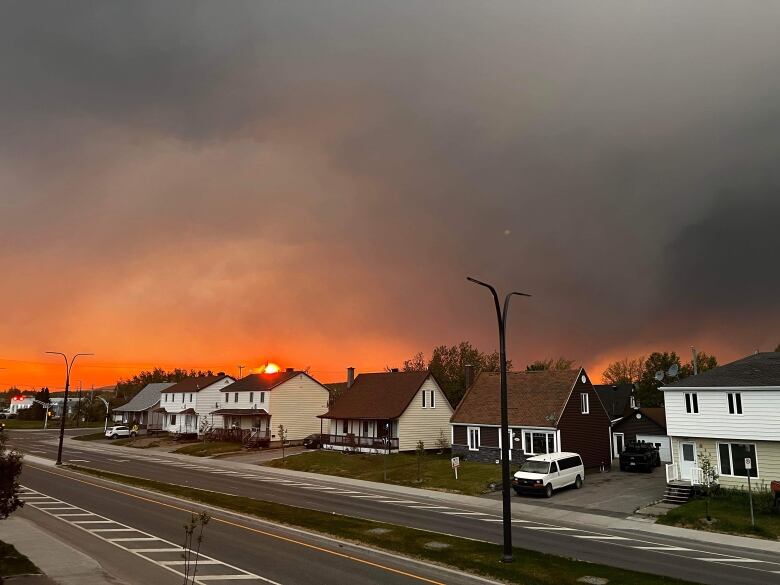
{"type": "Point", "coordinates": [204, 182]}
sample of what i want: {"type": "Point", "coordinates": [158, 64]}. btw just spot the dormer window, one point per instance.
{"type": "Point", "coordinates": [691, 403]}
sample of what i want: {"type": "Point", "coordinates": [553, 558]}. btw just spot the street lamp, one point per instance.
{"type": "Point", "coordinates": [105, 402]}
{"type": "Point", "coordinates": [64, 413]}
{"type": "Point", "coordinates": [46, 406]}
{"type": "Point", "coordinates": [505, 487]}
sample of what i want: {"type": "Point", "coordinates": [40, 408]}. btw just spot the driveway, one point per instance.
{"type": "Point", "coordinates": [614, 493]}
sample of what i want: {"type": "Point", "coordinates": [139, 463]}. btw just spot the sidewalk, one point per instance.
{"type": "Point", "coordinates": [527, 511]}
{"type": "Point", "coordinates": [60, 562]}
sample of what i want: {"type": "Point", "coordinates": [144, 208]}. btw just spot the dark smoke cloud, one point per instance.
{"type": "Point", "coordinates": [224, 165]}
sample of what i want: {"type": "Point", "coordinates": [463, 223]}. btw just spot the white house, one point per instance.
{"type": "Point", "coordinates": [143, 408]}
{"type": "Point", "coordinates": [187, 405]}
{"type": "Point", "coordinates": [253, 408]}
{"type": "Point", "coordinates": [20, 403]}
{"type": "Point", "coordinates": [388, 411]}
{"type": "Point", "coordinates": [728, 414]}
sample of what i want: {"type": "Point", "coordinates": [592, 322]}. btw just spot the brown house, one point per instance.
{"type": "Point", "coordinates": [642, 424]}
{"type": "Point", "coordinates": [549, 411]}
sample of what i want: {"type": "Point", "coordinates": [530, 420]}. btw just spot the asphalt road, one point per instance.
{"type": "Point", "coordinates": [691, 560]}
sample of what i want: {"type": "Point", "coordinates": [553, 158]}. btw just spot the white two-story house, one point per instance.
{"type": "Point", "coordinates": [186, 406]}
{"type": "Point", "coordinates": [729, 414]}
{"type": "Point", "coordinates": [253, 408]}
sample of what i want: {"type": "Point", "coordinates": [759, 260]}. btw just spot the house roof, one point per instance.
{"type": "Point", "coordinates": [384, 395]}
{"type": "Point", "coordinates": [534, 399]}
{"type": "Point", "coordinates": [185, 411]}
{"type": "Point", "coordinates": [655, 414]}
{"type": "Point", "coordinates": [260, 382]}
{"type": "Point", "coordinates": [759, 369]}
{"type": "Point", "coordinates": [241, 411]}
{"type": "Point", "coordinates": [616, 398]}
{"type": "Point", "coordinates": [146, 398]}
{"type": "Point", "coordinates": [196, 383]}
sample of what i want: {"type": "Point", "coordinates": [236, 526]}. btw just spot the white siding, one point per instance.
{"type": "Point", "coordinates": [296, 404]}
{"type": "Point", "coordinates": [424, 424]}
{"type": "Point", "coordinates": [767, 455]}
{"type": "Point", "coordinates": [205, 401]}
{"type": "Point", "coordinates": [759, 421]}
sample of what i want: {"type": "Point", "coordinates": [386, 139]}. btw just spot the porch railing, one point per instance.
{"type": "Point", "coordinates": [378, 443]}
{"type": "Point", "coordinates": [237, 435]}
{"type": "Point", "coordinates": [672, 472]}
{"type": "Point", "coordinates": [697, 476]}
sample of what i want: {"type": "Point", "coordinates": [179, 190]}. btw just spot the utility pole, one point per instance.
{"type": "Point", "coordinates": [508, 556]}
{"type": "Point", "coordinates": [240, 369]}
{"type": "Point", "coordinates": [64, 414]}
{"type": "Point", "coordinates": [695, 361]}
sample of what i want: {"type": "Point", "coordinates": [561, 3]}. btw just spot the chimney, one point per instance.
{"type": "Point", "coordinates": [394, 370]}
{"type": "Point", "coordinates": [350, 376]}
{"type": "Point", "coordinates": [469, 376]}
{"type": "Point", "coordinates": [288, 370]}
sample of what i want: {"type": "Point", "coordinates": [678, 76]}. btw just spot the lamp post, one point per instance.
{"type": "Point", "coordinates": [64, 413]}
{"type": "Point", "coordinates": [505, 486]}
{"type": "Point", "coordinates": [105, 402]}
{"type": "Point", "coordinates": [46, 406]}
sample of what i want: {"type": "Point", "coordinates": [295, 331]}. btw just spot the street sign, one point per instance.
{"type": "Point", "coordinates": [748, 463]}
{"type": "Point", "coordinates": [455, 465]}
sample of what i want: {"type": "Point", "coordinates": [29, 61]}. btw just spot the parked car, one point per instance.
{"type": "Point", "coordinates": [116, 432]}
{"type": "Point", "coordinates": [543, 474]}
{"type": "Point", "coordinates": [639, 456]}
{"type": "Point", "coordinates": [313, 441]}
{"type": "Point", "coordinates": [5, 414]}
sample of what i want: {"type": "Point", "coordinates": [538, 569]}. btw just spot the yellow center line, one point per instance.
{"type": "Point", "coordinates": [249, 528]}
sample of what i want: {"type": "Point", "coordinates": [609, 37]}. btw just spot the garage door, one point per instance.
{"type": "Point", "coordinates": [663, 443]}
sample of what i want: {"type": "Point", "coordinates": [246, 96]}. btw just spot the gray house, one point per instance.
{"type": "Point", "coordinates": [141, 409]}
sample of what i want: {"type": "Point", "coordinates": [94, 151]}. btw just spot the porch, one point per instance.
{"type": "Point", "coordinates": [350, 442]}
{"type": "Point", "coordinates": [691, 476]}
{"type": "Point", "coordinates": [250, 438]}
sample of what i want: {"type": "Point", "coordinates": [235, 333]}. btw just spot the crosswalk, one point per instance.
{"type": "Point", "coordinates": [452, 511]}
{"type": "Point", "coordinates": [154, 549]}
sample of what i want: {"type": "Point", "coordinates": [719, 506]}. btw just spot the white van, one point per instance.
{"type": "Point", "coordinates": [544, 473]}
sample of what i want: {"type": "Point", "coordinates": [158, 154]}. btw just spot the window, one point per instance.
{"type": "Point", "coordinates": [732, 459]}
{"type": "Point", "coordinates": [473, 437]}
{"type": "Point", "coordinates": [190, 397]}
{"type": "Point", "coordinates": [235, 397]}
{"type": "Point", "coordinates": [428, 400]}
{"type": "Point", "coordinates": [569, 463]}
{"type": "Point", "coordinates": [691, 403]}
{"type": "Point", "coordinates": [345, 426]}
{"type": "Point", "coordinates": [735, 403]}
{"type": "Point", "coordinates": [173, 419]}
{"type": "Point", "coordinates": [539, 442]}
{"type": "Point", "coordinates": [182, 398]}
{"type": "Point", "coordinates": [365, 428]}
{"type": "Point", "coordinates": [227, 397]}
{"type": "Point", "coordinates": [424, 395]}
{"type": "Point", "coordinates": [584, 403]}
{"type": "Point", "coordinates": [433, 399]}
{"type": "Point", "coordinates": [251, 397]}
{"type": "Point", "coordinates": [262, 396]}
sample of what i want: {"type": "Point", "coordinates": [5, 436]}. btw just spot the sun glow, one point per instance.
{"type": "Point", "coordinates": [269, 368]}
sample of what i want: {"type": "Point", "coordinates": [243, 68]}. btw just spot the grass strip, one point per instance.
{"type": "Point", "coordinates": [12, 562]}
{"type": "Point", "coordinates": [481, 558]}
{"type": "Point", "coordinates": [206, 449]}
{"type": "Point", "coordinates": [91, 437]}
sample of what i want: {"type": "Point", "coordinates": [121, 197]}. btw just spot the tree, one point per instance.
{"type": "Point", "coordinates": [282, 437]}
{"type": "Point", "coordinates": [647, 391]}
{"type": "Point", "coordinates": [550, 364]}
{"type": "Point", "coordinates": [127, 388]}
{"type": "Point", "coordinates": [441, 442]}
{"type": "Point", "coordinates": [10, 470]}
{"type": "Point", "coordinates": [197, 524]}
{"type": "Point", "coordinates": [704, 362]}
{"type": "Point", "coordinates": [448, 365]}
{"type": "Point", "coordinates": [420, 452]}
{"type": "Point", "coordinates": [709, 479]}
{"type": "Point", "coordinates": [625, 371]}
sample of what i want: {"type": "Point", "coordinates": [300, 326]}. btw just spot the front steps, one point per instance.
{"type": "Point", "coordinates": [677, 493]}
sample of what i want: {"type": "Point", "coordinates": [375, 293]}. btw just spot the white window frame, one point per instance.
{"type": "Point", "coordinates": [235, 397]}
{"type": "Point", "coordinates": [584, 403]}
{"type": "Point", "coordinates": [424, 402]}
{"type": "Point", "coordinates": [432, 400]}
{"type": "Point", "coordinates": [470, 443]}
{"type": "Point", "coordinates": [691, 402]}
{"type": "Point", "coordinates": [527, 448]}
{"type": "Point", "coordinates": [734, 403]}
{"type": "Point", "coordinates": [251, 397]}
{"type": "Point", "coordinates": [262, 396]}
{"type": "Point", "coordinates": [731, 460]}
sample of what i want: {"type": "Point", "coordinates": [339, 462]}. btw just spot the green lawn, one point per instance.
{"type": "Point", "coordinates": [91, 437]}
{"type": "Point", "coordinates": [436, 470]}
{"type": "Point", "coordinates": [730, 513]}
{"type": "Point", "coordinates": [482, 558]}
{"type": "Point", "coordinates": [12, 562]}
{"type": "Point", "coordinates": [15, 423]}
{"type": "Point", "coordinates": [208, 448]}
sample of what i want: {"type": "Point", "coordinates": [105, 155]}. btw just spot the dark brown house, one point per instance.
{"type": "Point", "coordinates": [549, 411]}
{"type": "Point", "coordinates": [642, 424]}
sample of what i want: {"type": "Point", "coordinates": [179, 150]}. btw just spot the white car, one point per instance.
{"type": "Point", "coordinates": [544, 473]}
{"type": "Point", "coordinates": [116, 432]}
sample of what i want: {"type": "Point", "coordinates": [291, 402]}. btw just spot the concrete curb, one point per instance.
{"type": "Point", "coordinates": [545, 514]}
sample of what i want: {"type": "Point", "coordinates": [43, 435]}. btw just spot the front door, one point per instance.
{"type": "Point", "coordinates": [687, 460]}
{"type": "Point", "coordinates": [618, 440]}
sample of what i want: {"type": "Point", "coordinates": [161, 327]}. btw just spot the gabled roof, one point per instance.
{"type": "Point", "coordinates": [616, 398]}
{"type": "Point", "coordinates": [656, 414]}
{"type": "Point", "coordinates": [261, 382]}
{"type": "Point", "coordinates": [382, 396]}
{"type": "Point", "coordinates": [146, 398]}
{"type": "Point", "coordinates": [196, 383]}
{"type": "Point", "coordinates": [535, 399]}
{"type": "Point", "coordinates": [759, 369]}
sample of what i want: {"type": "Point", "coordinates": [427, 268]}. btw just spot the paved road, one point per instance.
{"type": "Point", "coordinates": [148, 529]}
{"type": "Point", "coordinates": [692, 560]}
